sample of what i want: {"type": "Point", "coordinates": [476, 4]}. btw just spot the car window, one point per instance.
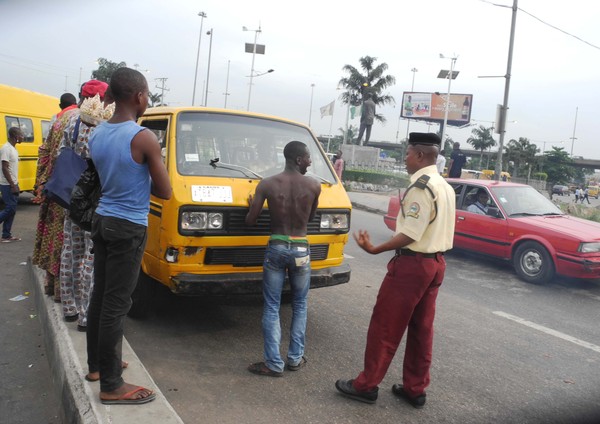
{"type": "Point", "coordinates": [524, 201]}
{"type": "Point", "coordinates": [471, 196]}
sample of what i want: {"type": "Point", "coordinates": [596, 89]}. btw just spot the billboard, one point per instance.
{"type": "Point", "coordinates": [431, 107]}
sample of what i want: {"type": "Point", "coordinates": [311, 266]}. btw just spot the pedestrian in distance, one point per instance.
{"type": "Point", "coordinates": [9, 182]}
{"type": "Point", "coordinates": [407, 296]}
{"type": "Point", "coordinates": [577, 194]}
{"type": "Point", "coordinates": [586, 194]}
{"type": "Point", "coordinates": [292, 199]}
{"type": "Point", "coordinates": [128, 160]}
{"type": "Point", "coordinates": [338, 164]}
{"type": "Point", "coordinates": [440, 162]}
{"type": "Point", "coordinates": [457, 161]}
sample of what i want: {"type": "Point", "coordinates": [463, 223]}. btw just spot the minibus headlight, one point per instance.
{"type": "Point", "coordinates": [201, 220]}
{"type": "Point", "coordinates": [334, 221]}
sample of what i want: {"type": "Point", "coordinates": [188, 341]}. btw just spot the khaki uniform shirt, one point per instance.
{"type": "Point", "coordinates": [419, 210]}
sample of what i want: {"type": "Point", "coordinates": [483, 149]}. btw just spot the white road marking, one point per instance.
{"type": "Point", "coordinates": [550, 331]}
{"type": "Point", "coordinates": [347, 256]}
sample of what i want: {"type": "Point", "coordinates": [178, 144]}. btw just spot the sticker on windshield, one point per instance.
{"type": "Point", "coordinates": [215, 194]}
{"type": "Point", "coordinates": [192, 157]}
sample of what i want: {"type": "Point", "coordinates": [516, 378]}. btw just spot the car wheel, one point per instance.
{"type": "Point", "coordinates": [533, 263]}
{"type": "Point", "coordinates": [143, 296]}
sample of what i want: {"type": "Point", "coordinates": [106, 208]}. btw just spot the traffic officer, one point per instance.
{"type": "Point", "coordinates": [406, 299]}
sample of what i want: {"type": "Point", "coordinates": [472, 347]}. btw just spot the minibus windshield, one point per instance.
{"type": "Point", "coordinates": [235, 146]}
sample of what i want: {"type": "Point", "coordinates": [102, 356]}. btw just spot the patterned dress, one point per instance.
{"type": "Point", "coordinates": [49, 236]}
{"type": "Point", "coordinates": [77, 259]}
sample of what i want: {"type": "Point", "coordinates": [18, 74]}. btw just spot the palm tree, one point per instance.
{"type": "Point", "coordinates": [481, 140]}
{"type": "Point", "coordinates": [372, 81]}
{"type": "Point", "coordinates": [521, 152]}
{"type": "Point", "coordinates": [351, 134]}
{"type": "Point", "coordinates": [154, 99]}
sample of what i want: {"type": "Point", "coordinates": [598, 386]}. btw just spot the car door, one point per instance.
{"type": "Point", "coordinates": [481, 233]}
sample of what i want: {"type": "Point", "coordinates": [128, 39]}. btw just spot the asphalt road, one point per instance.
{"type": "Point", "coordinates": [505, 351]}
{"type": "Point", "coordinates": [26, 391]}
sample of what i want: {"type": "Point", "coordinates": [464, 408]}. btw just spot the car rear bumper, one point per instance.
{"type": "Point", "coordinates": [250, 283]}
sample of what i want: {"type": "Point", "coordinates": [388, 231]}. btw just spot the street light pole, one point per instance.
{"type": "Point", "coordinates": [574, 127]}
{"type": "Point", "coordinates": [226, 93]}
{"type": "Point", "coordinates": [208, 68]}
{"type": "Point", "coordinates": [312, 90]}
{"type": "Point", "coordinates": [256, 31]}
{"type": "Point", "coordinates": [202, 16]}
{"type": "Point", "coordinates": [412, 88]}
{"type": "Point", "coordinates": [447, 103]}
{"type": "Point", "coordinates": [504, 109]}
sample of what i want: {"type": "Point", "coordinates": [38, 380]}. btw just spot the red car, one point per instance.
{"type": "Point", "coordinates": [520, 225]}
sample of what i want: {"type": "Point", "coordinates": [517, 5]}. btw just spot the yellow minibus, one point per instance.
{"type": "Point", "coordinates": [198, 242]}
{"type": "Point", "coordinates": [32, 112]}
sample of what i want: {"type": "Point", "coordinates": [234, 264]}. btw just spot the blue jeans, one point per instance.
{"type": "Point", "coordinates": [7, 215]}
{"type": "Point", "coordinates": [295, 261]}
{"type": "Point", "coordinates": [118, 249]}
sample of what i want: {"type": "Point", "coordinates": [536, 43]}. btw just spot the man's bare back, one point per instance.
{"type": "Point", "coordinates": [291, 197]}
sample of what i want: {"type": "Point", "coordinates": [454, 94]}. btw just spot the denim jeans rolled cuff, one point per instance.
{"type": "Point", "coordinates": [118, 249]}
{"type": "Point", "coordinates": [7, 215]}
{"type": "Point", "coordinates": [294, 262]}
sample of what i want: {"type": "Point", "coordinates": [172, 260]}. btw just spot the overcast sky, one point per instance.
{"type": "Point", "coordinates": [52, 45]}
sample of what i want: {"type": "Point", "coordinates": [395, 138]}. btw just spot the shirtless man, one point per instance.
{"type": "Point", "coordinates": [292, 199]}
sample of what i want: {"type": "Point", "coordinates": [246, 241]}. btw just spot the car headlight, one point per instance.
{"type": "Point", "coordinates": [334, 221]}
{"type": "Point", "coordinates": [592, 247]}
{"type": "Point", "coordinates": [201, 220]}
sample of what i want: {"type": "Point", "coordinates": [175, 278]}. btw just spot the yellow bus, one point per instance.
{"type": "Point", "coordinates": [198, 242]}
{"type": "Point", "coordinates": [32, 112]}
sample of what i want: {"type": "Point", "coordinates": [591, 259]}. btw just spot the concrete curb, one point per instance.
{"type": "Point", "coordinates": [66, 350]}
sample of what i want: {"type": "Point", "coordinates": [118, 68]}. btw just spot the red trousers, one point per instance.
{"type": "Point", "coordinates": [406, 299]}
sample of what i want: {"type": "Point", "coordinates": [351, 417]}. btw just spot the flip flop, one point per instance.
{"type": "Point", "coordinates": [128, 399]}
{"type": "Point", "coordinates": [124, 364]}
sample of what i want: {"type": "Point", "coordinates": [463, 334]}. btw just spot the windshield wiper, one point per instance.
{"type": "Point", "coordinates": [552, 213]}
{"type": "Point", "coordinates": [523, 214]}
{"type": "Point", "coordinates": [247, 172]}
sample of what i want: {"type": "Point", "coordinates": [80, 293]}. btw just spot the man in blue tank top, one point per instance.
{"type": "Point", "coordinates": [128, 160]}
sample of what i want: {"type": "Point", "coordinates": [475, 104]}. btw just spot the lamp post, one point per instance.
{"type": "Point", "coordinates": [202, 16]}
{"type": "Point", "coordinates": [312, 90]}
{"type": "Point", "coordinates": [450, 75]}
{"type": "Point", "coordinates": [208, 67]}
{"type": "Point", "coordinates": [256, 32]}
{"type": "Point", "coordinates": [226, 93]}
{"type": "Point", "coordinates": [574, 127]}
{"type": "Point", "coordinates": [412, 88]}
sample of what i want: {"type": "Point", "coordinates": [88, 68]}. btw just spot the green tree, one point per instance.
{"type": "Point", "coordinates": [522, 153]}
{"type": "Point", "coordinates": [106, 68]}
{"type": "Point", "coordinates": [154, 100]}
{"type": "Point", "coordinates": [481, 140]}
{"type": "Point", "coordinates": [558, 166]}
{"type": "Point", "coordinates": [372, 81]}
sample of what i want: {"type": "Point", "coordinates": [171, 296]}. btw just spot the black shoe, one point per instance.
{"type": "Point", "coordinates": [81, 328]}
{"type": "Point", "coordinates": [345, 387]}
{"type": "Point", "coordinates": [418, 402]}
{"type": "Point", "coordinates": [296, 367]}
{"type": "Point", "coordinates": [71, 318]}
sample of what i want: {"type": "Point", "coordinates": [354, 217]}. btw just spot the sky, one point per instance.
{"type": "Point", "coordinates": [51, 47]}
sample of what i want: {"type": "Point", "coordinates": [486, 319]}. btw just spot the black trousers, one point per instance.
{"type": "Point", "coordinates": [118, 249]}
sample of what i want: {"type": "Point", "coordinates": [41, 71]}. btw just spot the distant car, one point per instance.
{"type": "Point", "coordinates": [524, 227]}
{"type": "Point", "coordinates": [593, 191]}
{"type": "Point", "coordinates": [561, 190]}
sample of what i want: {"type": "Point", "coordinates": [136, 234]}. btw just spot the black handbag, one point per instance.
{"type": "Point", "coordinates": [67, 170]}
{"type": "Point", "coordinates": [85, 197]}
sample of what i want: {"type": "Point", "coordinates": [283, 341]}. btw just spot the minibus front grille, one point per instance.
{"type": "Point", "coordinates": [252, 256]}
{"type": "Point", "coordinates": [236, 223]}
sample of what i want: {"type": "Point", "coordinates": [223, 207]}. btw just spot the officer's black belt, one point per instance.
{"type": "Point", "coordinates": [408, 252]}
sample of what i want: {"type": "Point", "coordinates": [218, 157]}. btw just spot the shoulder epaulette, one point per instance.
{"type": "Point", "coordinates": [422, 182]}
